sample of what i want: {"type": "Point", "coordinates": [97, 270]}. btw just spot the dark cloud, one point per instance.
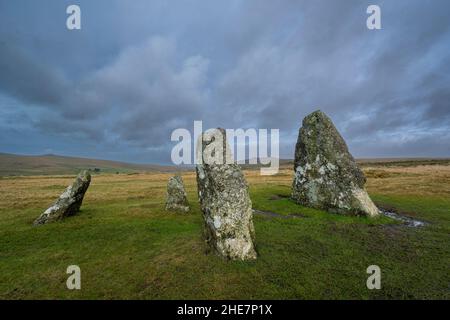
{"type": "Point", "coordinates": [136, 71]}
{"type": "Point", "coordinates": [22, 76]}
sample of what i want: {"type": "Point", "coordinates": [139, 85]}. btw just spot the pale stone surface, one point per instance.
{"type": "Point", "coordinates": [69, 203]}
{"type": "Point", "coordinates": [326, 175]}
{"type": "Point", "coordinates": [176, 195]}
{"type": "Point", "coordinates": [224, 200]}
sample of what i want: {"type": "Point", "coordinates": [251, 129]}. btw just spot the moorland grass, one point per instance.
{"type": "Point", "coordinates": [128, 247]}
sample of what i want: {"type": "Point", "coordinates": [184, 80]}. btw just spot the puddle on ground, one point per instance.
{"type": "Point", "coordinates": [410, 222]}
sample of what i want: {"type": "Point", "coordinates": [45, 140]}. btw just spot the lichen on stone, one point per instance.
{"type": "Point", "coordinates": [69, 202]}
{"type": "Point", "coordinates": [224, 201]}
{"type": "Point", "coordinates": [326, 176]}
{"type": "Point", "coordinates": [176, 195]}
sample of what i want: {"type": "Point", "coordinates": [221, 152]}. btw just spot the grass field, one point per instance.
{"type": "Point", "coordinates": [128, 247]}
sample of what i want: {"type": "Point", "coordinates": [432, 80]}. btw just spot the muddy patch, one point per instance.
{"type": "Point", "coordinates": [278, 197]}
{"type": "Point", "coordinates": [271, 214]}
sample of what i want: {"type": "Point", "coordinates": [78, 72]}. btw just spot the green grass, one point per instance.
{"type": "Point", "coordinates": [131, 248]}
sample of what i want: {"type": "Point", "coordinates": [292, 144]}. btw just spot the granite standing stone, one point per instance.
{"type": "Point", "coordinates": [326, 175]}
{"type": "Point", "coordinates": [69, 202]}
{"type": "Point", "coordinates": [176, 195]}
{"type": "Point", "coordinates": [224, 199]}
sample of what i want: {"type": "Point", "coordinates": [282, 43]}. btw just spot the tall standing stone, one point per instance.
{"type": "Point", "coordinates": [176, 195]}
{"type": "Point", "coordinates": [69, 203]}
{"type": "Point", "coordinates": [326, 175]}
{"type": "Point", "coordinates": [224, 199]}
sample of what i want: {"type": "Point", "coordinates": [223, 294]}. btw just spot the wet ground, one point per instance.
{"type": "Point", "coordinates": [271, 214]}
{"type": "Point", "coordinates": [408, 221]}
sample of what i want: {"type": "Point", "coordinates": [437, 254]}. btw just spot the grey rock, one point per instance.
{"type": "Point", "coordinates": [326, 174]}
{"type": "Point", "coordinates": [176, 195]}
{"type": "Point", "coordinates": [69, 203]}
{"type": "Point", "coordinates": [224, 199]}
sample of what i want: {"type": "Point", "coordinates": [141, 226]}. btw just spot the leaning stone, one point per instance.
{"type": "Point", "coordinates": [224, 199]}
{"type": "Point", "coordinates": [326, 175]}
{"type": "Point", "coordinates": [69, 202]}
{"type": "Point", "coordinates": [176, 195]}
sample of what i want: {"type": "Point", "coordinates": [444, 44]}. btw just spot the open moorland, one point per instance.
{"type": "Point", "coordinates": [129, 247]}
{"type": "Point", "coordinates": [19, 165]}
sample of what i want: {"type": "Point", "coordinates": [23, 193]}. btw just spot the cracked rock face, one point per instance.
{"type": "Point", "coordinates": [69, 203]}
{"type": "Point", "coordinates": [326, 175]}
{"type": "Point", "coordinates": [176, 195]}
{"type": "Point", "coordinates": [224, 199]}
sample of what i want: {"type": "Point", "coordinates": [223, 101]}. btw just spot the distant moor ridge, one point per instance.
{"type": "Point", "coordinates": [22, 165]}
{"type": "Point", "coordinates": [18, 165]}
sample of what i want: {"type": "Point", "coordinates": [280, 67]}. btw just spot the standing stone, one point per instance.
{"type": "Point", "coordinates": [224, 199]}
{"type": "Point", "coordinates": [69, 202]}
{"type": "Point", "coordinates": [176, 195]}
{"type": "Point", "coordinates": [326, 175]}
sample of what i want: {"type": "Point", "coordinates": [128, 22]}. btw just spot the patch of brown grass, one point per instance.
{"type": "Point", "coordinates": [418, 180]}
{"type": "Point", "coordinates": [41, 191]}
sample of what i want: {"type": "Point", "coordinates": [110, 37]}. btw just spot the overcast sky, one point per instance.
{"type": "Point", "coordinates": [139, 69]}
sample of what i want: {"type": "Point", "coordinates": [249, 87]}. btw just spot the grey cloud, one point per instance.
{"type": "Point", "coordinates": [24, 77]}
{"type": "Point", "coordinates": [130, 79]}
{"type": "Point", "coordinates": [348, 72]}
{"type": "Point", "coordinates": [150, 92]}
{"type": "Point", "coordinates": [142, 93]}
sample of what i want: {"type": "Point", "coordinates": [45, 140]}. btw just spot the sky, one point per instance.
{"type": "Point", "coordinates": [137, 70]}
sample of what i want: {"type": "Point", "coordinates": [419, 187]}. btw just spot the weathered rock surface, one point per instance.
{"type": "Point", "coordinates": [326, 175]}
{"type": "Point", "coordinates": [69, 202]}
{"type": "Point", "coordinates": [224, 199]}
{"type": "Point", "coordinates": [176, 195]}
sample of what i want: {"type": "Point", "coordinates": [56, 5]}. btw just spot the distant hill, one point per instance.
{"type": "Point", "coordinates": [20, 165]}
{"type": "Point", "coordinates": [402, 162]}
{"type": "Point", "coordinates": [363, 162]}
{"type": "Point", "coordinates": [14, 165]}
